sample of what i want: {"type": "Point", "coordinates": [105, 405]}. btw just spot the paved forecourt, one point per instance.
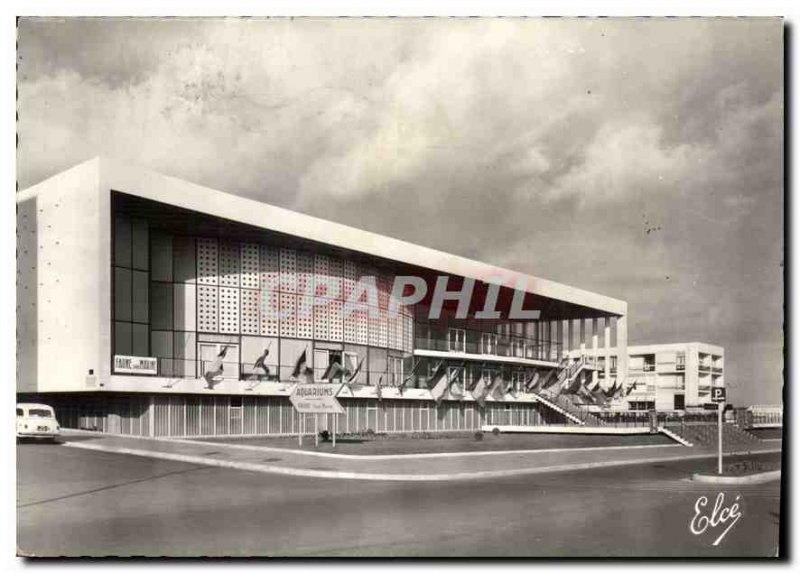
{"type": "Point", "coordinates": [443, 466]}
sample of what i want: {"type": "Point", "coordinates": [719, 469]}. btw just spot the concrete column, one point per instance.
{"type": "Point", "coordinates": [582, 322]}
{"type": "Point", "coordinates": [622, 349]}
{"type": "Point", "coordinates": [570, 335]}
{"type": "Point", "coordinates": [560, 339]}
{"type": "Point", "coordinates": [151, 415]}
{"type": "Point", "coordinates": [594, 349]}
{"type": "Point", "coordinates": [553, 348]}
{"type": "Point", "coordinates": [539, 341]}
{"type": "Point", "coordinates": [607, 347]}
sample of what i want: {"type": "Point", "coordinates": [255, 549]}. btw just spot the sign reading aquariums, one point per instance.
{"type": "Point", "coordinates": [135, 365]}
{"type": "Point", "coordinates": [316, 399]}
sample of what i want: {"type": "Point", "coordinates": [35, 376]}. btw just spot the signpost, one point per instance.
{"type": "Point", "coordinates": [718, 396]}
{"type": "Point", "coordinates": [316, 399]}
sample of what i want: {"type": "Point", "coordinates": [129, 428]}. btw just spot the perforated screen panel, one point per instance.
{"type": "Point", "coordinates": [321, 313]}
{"type": "Point", "coordinates": [270, 268]}
{"type": "Point", "coordinates": [288, 270]}
{"type": "Point", "coordinates": [392, 333]}
{"type": "Point", "coordinates": [350, 323]}
{"type": "Point", "coordinates": [362, 326]}
{"type": "Point", "coordinates": [408, 333]}
{"type": "Point", "coordinates": [374, 328]}
{"type": "Point", "coordinates": [321, 287]}
{"type": "Point", "coordinates": [288, 315]}
{"type": "Point", "coordinates": [383, 330]}
{"type": "Point", "coordinates": [350, 275]}
{"type": "Point", "coordinates": [207, 305]}
{"type": "Point", "coordinates": [305, 273]}
{"type": "Point", "coordinates": [335, 325]}
{"type": "Point", "coordinates": [207, 269]}
{"type": "Point", "coordinates": [335, 277]}
{"type": "Point", "coordinates": [229, 264]}
{"type": "Point", "coordinates": [229, 310]}
{"type": "Point", "coordinates": [247, 287]}
{"type": "Point", "coordinates": [250, 311]}
{"type": "Point", "coordinates": [270, 304]}
{"type": "Point", "coordinates": [305, 317]}
{"type": "Point", "coordinates": [250, 265]}
{"type": "Point", "coordinates": [384, 284]}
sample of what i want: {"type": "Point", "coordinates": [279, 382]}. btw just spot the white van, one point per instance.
{"type": "Point", "coordinates": [37, 421]}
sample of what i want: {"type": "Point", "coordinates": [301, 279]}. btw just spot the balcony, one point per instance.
{"type": "Point", "coordinates": [514, 348]}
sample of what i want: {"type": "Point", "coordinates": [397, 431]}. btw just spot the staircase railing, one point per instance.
{"type": "Point", "coordinates": [578, 412]}
{"type": "Point", "coordinates": [571, 368]}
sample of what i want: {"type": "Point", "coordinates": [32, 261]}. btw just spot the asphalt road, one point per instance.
{"type": "Point", "coordinates": [75, 502]}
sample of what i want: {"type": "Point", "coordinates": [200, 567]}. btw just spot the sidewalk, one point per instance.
{"type": "Point", "coordinates": [412, 467]}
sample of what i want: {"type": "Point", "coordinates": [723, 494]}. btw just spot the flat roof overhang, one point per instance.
{"type": "Point", "coordinates": [205, 211]}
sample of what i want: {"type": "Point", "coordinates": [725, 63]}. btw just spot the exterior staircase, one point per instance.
{"type": "Point", "coordinates": [704, 434]}
{"type": "Point", "coordinates": [678, 438]}
{"type": "Point", "coordinates": [550, 395]}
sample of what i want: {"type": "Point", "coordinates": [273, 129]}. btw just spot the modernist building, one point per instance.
{"type": "Point", "coordinates": [663, 377]}
{"type": "Point", "coordinates": [147, 305]}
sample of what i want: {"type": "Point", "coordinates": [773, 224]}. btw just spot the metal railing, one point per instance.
{"type": "Point", "coordinates": [530, 351]}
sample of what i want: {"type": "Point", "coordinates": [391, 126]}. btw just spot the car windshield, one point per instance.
{"type": "Point", "coordinates": [39, 413]}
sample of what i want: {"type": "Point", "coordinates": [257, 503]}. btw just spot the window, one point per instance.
{"type": "Point", "coordinates": [613, 363]}
{"type": "Point", "coordinates": [649, 362]}
{"type": "Point", "coordinates": [39, 413]}
{"type": "Point", "coordinates": [518, 380]}
{"type": "Point", "coordinates": [679, 402]}
{"type": "Point", "coordinates": [518, 345]}
{"type": "Point", "coordinates": [323, 365]}
{"type": "Point", "coordinates": [456, 340]}
{"type": "Point", "coordinates": [455, 374]}
{"type": "Point", "coordinates": [680, 361]}
{"type": "Point", "coordinates": [488, 343]}
{"type": "Point", "coordinates": [395, 370]}
{"type": "Point", "coordinates": [350, 364]}
{"type": "Point", "coordinates": [20, 412]}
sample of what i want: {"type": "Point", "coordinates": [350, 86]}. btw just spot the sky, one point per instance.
{"type": "Point", "coordinates": [638, 158]}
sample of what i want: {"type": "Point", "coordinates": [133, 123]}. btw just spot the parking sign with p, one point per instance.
{"type": "Point", "coordinates": [718, 394]}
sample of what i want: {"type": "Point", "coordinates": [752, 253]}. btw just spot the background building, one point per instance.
{"type": "Point", "coordinates": [133, 287]}
{"type": "Point", "coordinates": [664, 377]}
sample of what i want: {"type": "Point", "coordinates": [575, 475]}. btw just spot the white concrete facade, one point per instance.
{"type": "Point", "coordinates": [65, 276]}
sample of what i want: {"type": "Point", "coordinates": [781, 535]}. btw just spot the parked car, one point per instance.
{"type": "Point", "coordinates": [37, 421]}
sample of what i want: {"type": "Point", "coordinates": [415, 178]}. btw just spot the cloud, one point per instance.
{"type": "Point", "coordinates": [545, 145]}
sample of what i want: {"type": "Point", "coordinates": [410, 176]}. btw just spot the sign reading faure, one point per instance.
{"type": "Point", "coordinates": [316, 399]}
{"type": "Point", "coordinates": [135, 365]}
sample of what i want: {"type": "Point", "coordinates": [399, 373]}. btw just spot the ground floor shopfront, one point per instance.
{"type": "Point", "coordinates": [203, 415]}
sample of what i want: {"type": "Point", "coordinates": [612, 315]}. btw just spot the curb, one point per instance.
{"type": "Point", "coordinates": [429, 455]}
{"type": "Point", "coordinates": [370, 457]}
{"type": "Point", "coordinates": [734, 480]}
{"type": "Point", "coordinates": [333, 474]}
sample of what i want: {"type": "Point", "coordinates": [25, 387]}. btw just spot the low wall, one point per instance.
{"type": "Point", "coordinates": [567, 429]}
